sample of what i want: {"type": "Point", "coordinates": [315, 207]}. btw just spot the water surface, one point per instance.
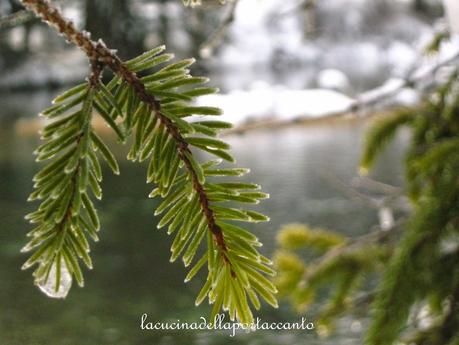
{"type": "Point", "coordinates": [132, 273]}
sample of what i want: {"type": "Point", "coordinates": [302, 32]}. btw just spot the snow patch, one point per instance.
{"type": "Point", "coordinates": [277, 103]}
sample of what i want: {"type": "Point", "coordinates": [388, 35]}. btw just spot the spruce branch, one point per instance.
{"type": "Point", "coordinates": [380, 134]}
{"type": "Point", "coordinates": [421, 259]}
{"type": "Point", "coordinates": [61, 227]}
{"type": "Point", "coordinates": [420, 267]}
{"type": "Point", "coordinates": [154, 108]}
{"type": "Point", "coordinates": [333, 261]}
{"type": "Point", "coordinates": [97, 51]}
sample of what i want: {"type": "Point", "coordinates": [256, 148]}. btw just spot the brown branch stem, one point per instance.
{"type": "Point", "coordinates": [93, 82]}
{"type": "Point", "coordinates": [97, 51]}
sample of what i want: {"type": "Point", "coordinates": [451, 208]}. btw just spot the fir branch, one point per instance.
{"type": "Point", "coordinates": [154, 107]}
{"type": "Point", "coordinates": [61, 228]}
{"type": "Point", "coordinates": [416, 254]}
{"type": "Point", "coordinates": [422, 260]}
{"type": "Point", "coordinates": [334, 261]}
{"type": "Point", "coordinates": [380, 135]}
{"type": "Point", "coordinates": [97, 51]}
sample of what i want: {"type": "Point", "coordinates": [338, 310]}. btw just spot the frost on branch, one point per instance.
{"type": "Point", "coordinates": [56, 285]}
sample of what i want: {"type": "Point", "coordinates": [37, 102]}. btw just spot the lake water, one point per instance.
{"type": "Point", "coordinates": [132, 273]}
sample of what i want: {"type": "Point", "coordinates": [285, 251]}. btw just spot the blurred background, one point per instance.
{"type": "Point", "coordinates": [299, 80]}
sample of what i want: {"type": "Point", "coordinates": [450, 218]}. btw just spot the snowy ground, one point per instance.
{"type": "Point", "coordinates": [276, 103]}
{"type": "Point", "coordinates": [45, 69]}
{"type": "Point", "coordinates": [269, 68]}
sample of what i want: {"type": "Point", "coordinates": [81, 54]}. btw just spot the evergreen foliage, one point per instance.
{"type": "Point", "coordinates": [418, 271]}
{"type": "Point", "coordinates": [338, 270]}
{"type": "Point", "coordinates": [200, 202]}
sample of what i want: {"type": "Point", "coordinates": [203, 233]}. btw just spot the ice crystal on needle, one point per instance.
{"type": "Point", "coordinates": [48, 286]}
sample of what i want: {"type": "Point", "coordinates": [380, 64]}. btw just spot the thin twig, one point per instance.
{"type": "Point", "coordinates": [361, 103]}
{"type": "Point", "coordinates": [376, 186]}
{"type": "Point", "coordinates": [372, 97]}
{"type": "Point", "coordinates": [376, 237]}
{"type": "Point", "coordinates": [215, 39]}
{"type": "Point", "coordinates": [392, 198]}
{"type": "Point", "coordinates": [301, 6]}
{"type": "Point", "coordinates": [15, 19]}
{"type": "Point", "coordinates": [352, 193]}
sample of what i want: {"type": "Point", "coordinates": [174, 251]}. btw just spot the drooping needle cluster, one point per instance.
{"type": "Point", "coordinates": [151, 100]}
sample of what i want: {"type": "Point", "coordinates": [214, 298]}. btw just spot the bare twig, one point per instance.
{"type": "Point", "coordinates": [375, 237]}
{"type": "Point", "coordinates": [376, 186]}
{"type": "Point", "coordinates": [214, 40]}
{"type": "Point", "coordinates": [353, 193]}
{"type": "Point", "coordinates": [359, 107]}
{"type": "Point", "coordinates": [15, 19]}
{"type": "Point", "coordinates": [387, 90]}
{"type": "Point", "coordinates": [392, 198]}
{"type": "Point", "coordinates": [300, 6]}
